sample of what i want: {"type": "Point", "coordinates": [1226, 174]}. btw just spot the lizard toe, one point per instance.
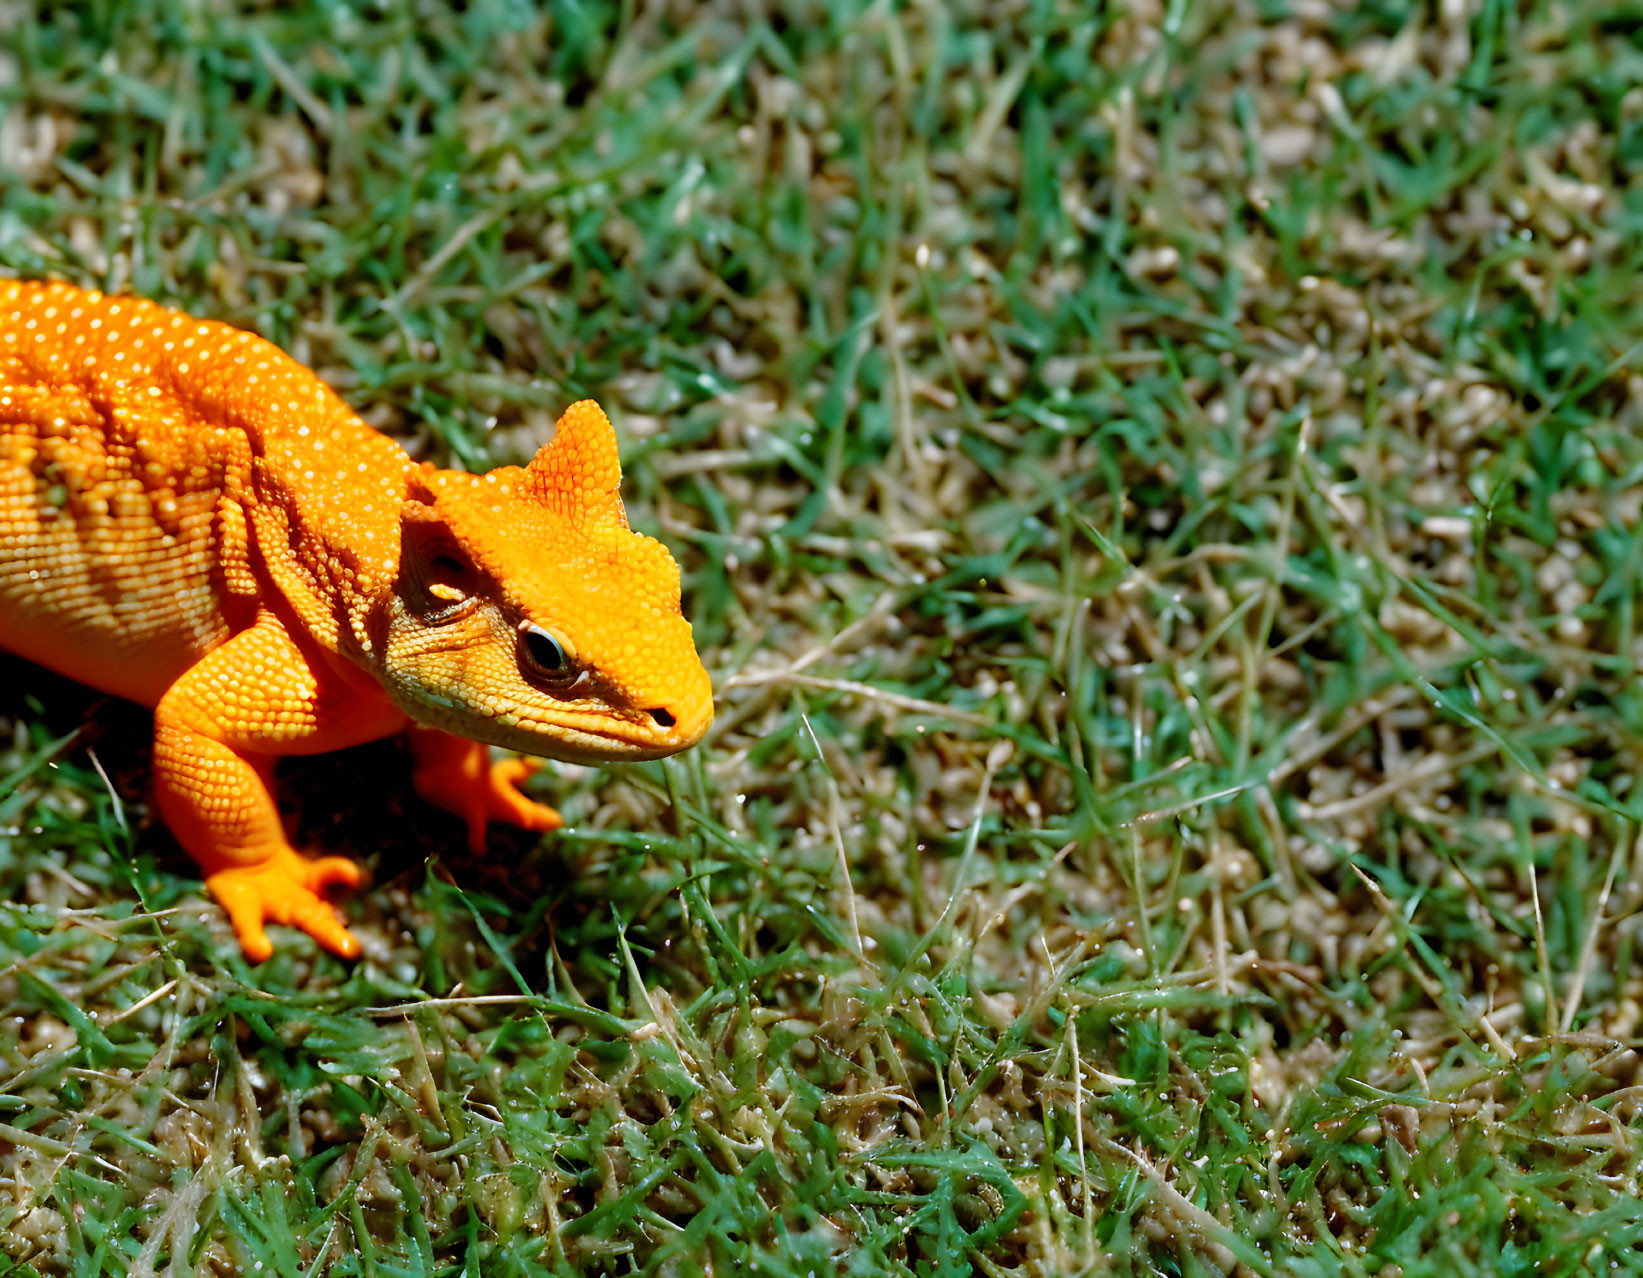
{"type": "Point", "coordinates": [507, 804]}
{"type": "Point", "coordinates": [510, 772]}
{"type": "Point", "coordinates": [245, 914]}
{"type": "Point", "coordinates": [498, 799]}
{"type": "Point", "coordinates": [317, 918]}
{"type": "Point", "coordinates": [285, 888]}
{"type": "Point", "coordinates": [327, 872]}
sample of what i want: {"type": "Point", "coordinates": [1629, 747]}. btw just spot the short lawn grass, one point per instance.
{"type": "Point", "coordinates": [1158, 486]}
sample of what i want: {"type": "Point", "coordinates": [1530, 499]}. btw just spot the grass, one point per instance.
{"type": "Point", "coordinates": [1158, 488]}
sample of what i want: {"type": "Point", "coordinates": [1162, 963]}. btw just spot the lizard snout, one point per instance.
{"type": "Point", "coordinates": [682, 725]}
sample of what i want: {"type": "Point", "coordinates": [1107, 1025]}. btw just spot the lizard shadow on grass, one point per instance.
{"type": "Point", "coordinates": [357, 803]}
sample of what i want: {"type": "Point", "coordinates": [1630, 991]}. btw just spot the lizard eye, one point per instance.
{"type": "Point", "coordinates": [545, 650]}
{"type": "Point", "coordinates": [545, 655]}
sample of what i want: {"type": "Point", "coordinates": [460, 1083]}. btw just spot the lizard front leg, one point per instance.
{"type": "Point", "coordinates": [216, 733]}
{"type": "Point", "coordinates": [458, 775]}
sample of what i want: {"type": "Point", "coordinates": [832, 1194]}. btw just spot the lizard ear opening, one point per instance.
{"type": "Point", "coordinates": [436, 577]}
{"type": "Point", "coordinates": [578, 470]}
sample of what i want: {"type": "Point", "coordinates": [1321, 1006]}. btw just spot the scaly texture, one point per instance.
{"type": "Point", "coordinates": [191, 519]}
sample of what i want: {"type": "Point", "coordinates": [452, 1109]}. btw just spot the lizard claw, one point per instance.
{"type": "Point", "coordinates": [286, 888]}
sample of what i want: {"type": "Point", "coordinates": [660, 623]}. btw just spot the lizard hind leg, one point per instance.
{"type": "Point", "coordinates": [458, 776]}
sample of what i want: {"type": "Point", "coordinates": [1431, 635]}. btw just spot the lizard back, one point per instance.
{"type": "Point", "coordinates": [161, 478]}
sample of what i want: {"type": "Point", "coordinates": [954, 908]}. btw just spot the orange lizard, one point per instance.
{"type": "Point", "coordinates": [192, 520]}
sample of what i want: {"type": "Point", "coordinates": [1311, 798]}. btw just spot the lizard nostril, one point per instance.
{"type": "Point", "coordinates": [664, 718]}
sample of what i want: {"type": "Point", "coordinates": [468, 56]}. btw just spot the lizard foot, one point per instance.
{"type": "Point", "coordinates": [506, 803]}
{"type": "Point", "coordinates": [463, 781]}
{"type": "Point", "coordinates": [286, 888]}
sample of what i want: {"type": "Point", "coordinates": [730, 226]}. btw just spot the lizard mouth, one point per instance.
{"type": "Point", "coordinates": [573, 734]}
{"type": "Point", "coordinates": [598, 737]}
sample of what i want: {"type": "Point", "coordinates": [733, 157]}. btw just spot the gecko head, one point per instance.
{"type": "Point", "coordinates": [528, 614]}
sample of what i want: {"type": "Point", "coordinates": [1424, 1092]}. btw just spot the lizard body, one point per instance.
{"type": "Point", "coordinates": [192, 520]}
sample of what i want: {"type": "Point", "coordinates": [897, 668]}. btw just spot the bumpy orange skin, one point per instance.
{"type": "Point", "coordinates": [192, 520]}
